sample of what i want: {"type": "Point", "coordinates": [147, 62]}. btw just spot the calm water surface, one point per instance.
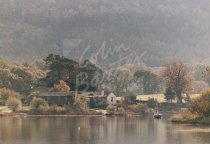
{"type": "Point", "coordinates": [99, 130]}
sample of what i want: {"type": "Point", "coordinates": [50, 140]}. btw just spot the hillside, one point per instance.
{"type": "Point", "coordinates": [146, 31]}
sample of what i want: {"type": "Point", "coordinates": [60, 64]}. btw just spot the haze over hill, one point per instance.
{"type": "Point", "coordinates": [148, 31]}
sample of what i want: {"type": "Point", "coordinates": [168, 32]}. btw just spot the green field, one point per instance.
{"type": "Point", "coordinates": [158, 97]}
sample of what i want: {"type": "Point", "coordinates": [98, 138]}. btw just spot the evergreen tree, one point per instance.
{"type": "Point", "coordinates": [83, 76]}
{"type": "Point", "coordinates": [169, 94]}
{"type": "Point", "coordinates": [147, 81]}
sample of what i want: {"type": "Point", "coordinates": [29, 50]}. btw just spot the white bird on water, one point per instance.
{"type": "Point", "coordinates": [79, 128]}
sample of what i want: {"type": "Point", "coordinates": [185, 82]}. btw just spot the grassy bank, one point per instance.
{"type": "Point", "coordinates": [188, 117]}
{"type": "Point", "coordinates": [4, 110]}
{"type": "Point", "coordinates": [199, 111]}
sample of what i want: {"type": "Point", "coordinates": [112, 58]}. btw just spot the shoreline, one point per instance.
{"type": "Point", "coordinates": [44, 115]}
{"type": "Point", "coordinates": [202, 121]}
{"type": "Point", "coordinates": [65, 115]}
{"type": "Point", "coordinates": [91, 114]}
{"type": "Point", "coordinates": [190, 118]}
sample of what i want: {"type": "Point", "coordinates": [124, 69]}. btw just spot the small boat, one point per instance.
{"type": "Point", "coordinates": [157, 115]}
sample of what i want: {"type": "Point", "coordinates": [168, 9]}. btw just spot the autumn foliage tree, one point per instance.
{"type": "Point", "coordinates": [8, 93]}
{"type": "Point", "coordinates": [81, 103]}
{"type": "Point", "coordinates": [61, 87]}
{"type": "Point", "coordinates": [178, 77]}
{"type": "Point", "coordinates": [201, 105]}
{"type": "Point", "coordinates": [19, 77]}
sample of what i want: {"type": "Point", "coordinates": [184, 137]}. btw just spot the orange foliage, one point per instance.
{"type": "Point", "coordinates": [201, 105]}
{"type": "Point", "coordinates": [61, 87]}
{"type": "Point", "coordinates": [7, 93]}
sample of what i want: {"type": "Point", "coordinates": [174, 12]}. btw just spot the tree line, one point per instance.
{"type": "Point", "coordinates": [62, 74]}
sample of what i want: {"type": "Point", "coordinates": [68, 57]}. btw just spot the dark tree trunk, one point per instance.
{"type": "Point", "coordinates": [179, 97]}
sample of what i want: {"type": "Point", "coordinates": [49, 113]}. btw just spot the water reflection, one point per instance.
{"type": "Point", "coordinates": [98, 130]}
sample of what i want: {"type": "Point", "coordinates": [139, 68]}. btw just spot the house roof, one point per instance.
{"type": "Point", "coordinates": [56, 94]}
{"type": "Point", "coordinates": [41, 89]}
{"type": "Point", "coordinates": [97, 96]}
{"type": "Point", "coordinates": [111, 94]}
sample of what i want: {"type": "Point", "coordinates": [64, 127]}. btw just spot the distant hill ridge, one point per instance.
{"type": "Point", "coordinates": [153, 30]}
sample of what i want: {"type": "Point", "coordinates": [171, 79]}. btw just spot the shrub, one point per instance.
{"type": "Point", "coordinates": [130, 98]}
{"type": "Point", "coordinates": [133, 108]}
{"type": "Point", "coordinates": [199, 109]}
{"type": "Point", "coordinates": [185, 117]}
{"type": "Point", "coordinates": [39, 105]}
{"type": "Point", "coordinates": [121, 110]}
{"type": "Point", "coordinates": [14, 104]}
{"type": "Point", "coordinates": [111, 109]}
{"type": "Point", "coordinates": [201, 105]}
{"type": "Point", "coordinates": [57, 110]}
{"type": "Point", "coordinates": [102, 104]}
{"type": "Point", "coordinates": [93, 103]}
{"type": "Point", "coordinates": [119, 104]}
{"type": "Point", "coordinates": [98, 113]}
{"type": "Point", "coordinates": [143, 109]}
{"type": "Point", "coordinates": [152, 103]}
{"type": "Point", "coordinates": [31, 97]}
{"type": "Point", "coordinates": [140, 108]}
{"type": "Point", "coordinates": [81, 103]}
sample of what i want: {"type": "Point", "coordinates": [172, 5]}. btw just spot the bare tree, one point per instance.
{"type": "Point", "coordinates": [178, 77]}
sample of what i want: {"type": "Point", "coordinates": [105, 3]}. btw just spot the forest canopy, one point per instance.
{"type": "Point", "coordinates": [153, 30]}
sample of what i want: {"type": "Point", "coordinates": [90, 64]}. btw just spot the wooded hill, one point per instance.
{"type": "Point", "coordinates": [154, 30]}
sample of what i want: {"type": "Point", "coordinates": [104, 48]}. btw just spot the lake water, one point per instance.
{"type": "Point", "coordinates": [99, 130]}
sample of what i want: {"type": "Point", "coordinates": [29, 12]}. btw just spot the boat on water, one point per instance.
{"type": "Point", "coordinates": [157, 115]}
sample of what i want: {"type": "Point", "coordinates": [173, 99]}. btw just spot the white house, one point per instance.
{"type": "Point", "coordinates": [111, 98]}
